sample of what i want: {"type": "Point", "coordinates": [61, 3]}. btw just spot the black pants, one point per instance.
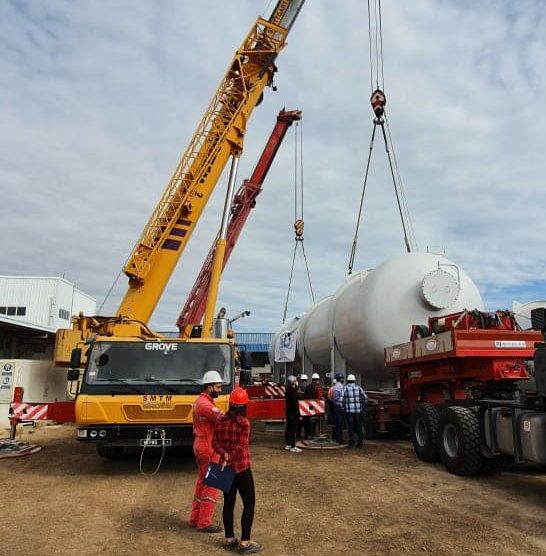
{"type": "Point", "coordinates": [244, 483]}
{"type": "Point", "coordinates": [306, 421]}
{"type": "Point", "coordinates": [290, 431]}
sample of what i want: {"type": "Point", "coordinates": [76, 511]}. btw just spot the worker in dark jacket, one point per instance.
{"type": "Point", "coordinates": [292, 414]}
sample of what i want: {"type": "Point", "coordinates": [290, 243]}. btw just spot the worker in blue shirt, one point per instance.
{"type": "Point", "coordinates": [354, 401]}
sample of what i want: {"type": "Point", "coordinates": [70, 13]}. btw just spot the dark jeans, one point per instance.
{"type": "Point", "coordinates": [340, 423]}
{"type": "Point", "coordinates": [306, 422]}
{"type": "Point", "coordinates": [244, 483]}
{"type": "Point", "coordinates": [354, 425]}
{"type": "Point", "coordinates": [331, 417]}
{"type": "Point", "coordinates": [290, 431]}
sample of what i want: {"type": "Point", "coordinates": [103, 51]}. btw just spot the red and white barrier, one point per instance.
{"type": "Point", "coordinates": [28, 411]}
{"type": "Point", "coordinates": [309, 408]}
{"type": "Point", "coordinates": [62, 412]}
{"type": "Point", "coordinates": [274, 391]}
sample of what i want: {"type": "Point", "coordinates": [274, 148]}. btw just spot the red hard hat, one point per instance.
{"type": "Point", "coordinates": [238, 396]}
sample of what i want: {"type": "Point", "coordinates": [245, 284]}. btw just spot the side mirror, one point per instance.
{"type": "Point", "coordinates": [538, 319]}
{"type": "Point", "coordinates": [245, 358]}
{"type": "Point", "coordinates": [76, 358]}
{"type": "Point", "coordinates": [73, 374]}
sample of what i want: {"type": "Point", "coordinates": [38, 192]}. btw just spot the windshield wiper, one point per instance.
{"type": "Point", "coordinates": [162, 380]}
{"type": "Point", "coordinates": [133, 388]}
{"type": "Point", "coordinates": [181, 379]}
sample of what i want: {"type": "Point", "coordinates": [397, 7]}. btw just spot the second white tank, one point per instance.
{"type": "Point", "coordinates": [372, 310]}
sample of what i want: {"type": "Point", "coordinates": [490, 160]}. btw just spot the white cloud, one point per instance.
{"type": "Point", "coordinates": [98, 100]}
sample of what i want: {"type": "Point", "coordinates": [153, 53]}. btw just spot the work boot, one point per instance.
{"type": "Point", "coordinates": [210, 529]}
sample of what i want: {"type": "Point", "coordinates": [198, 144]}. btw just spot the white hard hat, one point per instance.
{"type": "Point", "coordinates": [303, 377]}
{"type": "Point", "coordinates": [211, 377]}
{"type": "Point", "coordinates": [291, 379]}
{"type": "Point", "coordinates": [315, 375]}
{"type": "Point", "coordinates": [351, 378]}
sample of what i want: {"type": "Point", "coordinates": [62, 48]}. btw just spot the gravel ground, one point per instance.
{"type": "Point", "coordinates": [379, 500]}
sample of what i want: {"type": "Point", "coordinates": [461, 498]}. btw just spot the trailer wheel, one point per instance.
{"type": "Point", "coordinates": [459, 441]}
{"type": "Point", "coordinates": [109, 452]}
{"type": "Point", "coordinates": [424, 431]}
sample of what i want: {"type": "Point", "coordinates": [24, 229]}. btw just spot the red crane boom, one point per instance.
{"type": "Point", "coordinates": [243, 202]}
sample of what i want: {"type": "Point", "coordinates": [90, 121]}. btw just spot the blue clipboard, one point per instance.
{"type": "Point", "coordinates": [218, 478]}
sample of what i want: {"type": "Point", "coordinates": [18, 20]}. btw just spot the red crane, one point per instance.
{"type": "Point", "coordinates": [243, 202]}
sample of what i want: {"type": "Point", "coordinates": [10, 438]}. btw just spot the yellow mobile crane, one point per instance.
{"type": "Point", "coordinates": [137, 387]}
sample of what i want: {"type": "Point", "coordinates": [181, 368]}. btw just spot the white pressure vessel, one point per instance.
{"type": "Point", "coordinates": [375, 309]}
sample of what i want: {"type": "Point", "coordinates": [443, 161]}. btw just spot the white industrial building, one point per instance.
{"type": "Point", "coordinates": [42, 302]}
{"type": "Point", "coordinates": [32, 309]}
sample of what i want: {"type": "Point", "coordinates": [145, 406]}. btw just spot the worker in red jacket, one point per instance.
{"type": "Point", "coordinates": [205, 415]}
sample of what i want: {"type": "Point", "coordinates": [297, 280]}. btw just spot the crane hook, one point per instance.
{"type": "Point", "coordinates": [378, 101]}
{"type": "Point", "coordinates": [298, 228]}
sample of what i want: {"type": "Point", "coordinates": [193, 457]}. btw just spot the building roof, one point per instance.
{"type": "Point", "coordinates": [22, 327]}
{"type": "Point", "coordinates": [57, 278]}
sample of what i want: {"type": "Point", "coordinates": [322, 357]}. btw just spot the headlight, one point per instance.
{"type": "Point", "coordinates": [93, 434]}
{"type": "Point", "coordinates": [81, 433]}
{"type": "Point", "coordinates": [102, 433]}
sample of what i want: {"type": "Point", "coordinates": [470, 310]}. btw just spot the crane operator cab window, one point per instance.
{"type": "Point", "coordinates": [136, 367]}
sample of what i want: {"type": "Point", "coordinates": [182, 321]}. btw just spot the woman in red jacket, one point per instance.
{"type": "Point", "coordinates": [230, 441]}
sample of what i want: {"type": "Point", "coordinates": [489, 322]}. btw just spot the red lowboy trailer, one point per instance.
{"type": "Point", "coordinates": [460, 396]}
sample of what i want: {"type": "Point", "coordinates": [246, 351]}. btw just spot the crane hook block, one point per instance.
{"type": "Point", "coordinates": [298, 227]}
{"type": "Point", "coordinates": [378, 100]}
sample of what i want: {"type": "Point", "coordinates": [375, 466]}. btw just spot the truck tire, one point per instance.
{"type": "Point", "coordinates": [424, 431]}
{"type": "Point", "coordinates": [109, 452]}
{"type": "Point", "coordinates": [490, 465]}
{"type": "Point", "coordinates": [459, 441]}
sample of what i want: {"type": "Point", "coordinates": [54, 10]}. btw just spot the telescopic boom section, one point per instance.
{"type": "Point", "coordinates": [243, 203]}
{"type": "Point", "coordinates": [219, 135]}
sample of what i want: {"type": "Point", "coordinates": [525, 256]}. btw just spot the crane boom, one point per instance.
{"type": "Point", "coordinates": [243, 202]}
{"type": "Point", "coordinates": [219, 135]}
{"type": "Point", "coordinates": [136, 387]}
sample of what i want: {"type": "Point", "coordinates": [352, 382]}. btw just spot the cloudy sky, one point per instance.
{"type": "Point", "coordinates": [99, 98]}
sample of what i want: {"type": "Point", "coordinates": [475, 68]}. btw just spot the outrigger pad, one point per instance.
{"type": "Point", "coordinates": [320, 443]}
{"type": "Point", "coordinates": [15, 448]}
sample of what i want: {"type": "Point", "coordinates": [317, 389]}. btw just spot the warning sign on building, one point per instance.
{"type": "Point", "coordinates": [6, 378]}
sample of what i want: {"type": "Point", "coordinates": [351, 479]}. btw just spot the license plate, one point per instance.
{"type": "Point", "coordinates": [157, 442]}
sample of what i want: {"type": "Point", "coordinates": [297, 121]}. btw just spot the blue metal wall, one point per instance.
{"type": "Point", "coordinates": [257, 342]}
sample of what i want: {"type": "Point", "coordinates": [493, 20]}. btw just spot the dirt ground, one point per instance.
{"type": "Point", "coordinates": [379, 500]}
